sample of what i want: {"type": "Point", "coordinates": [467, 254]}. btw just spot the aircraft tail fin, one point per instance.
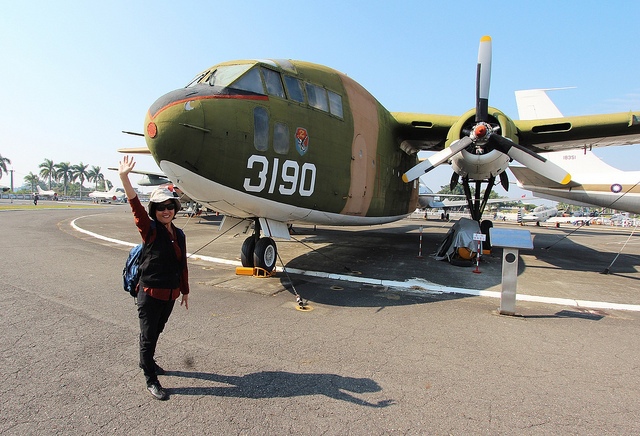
{"type": "Point", "coordinates": [535, 104]}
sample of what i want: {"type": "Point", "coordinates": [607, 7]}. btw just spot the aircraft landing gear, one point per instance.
{"type": "Point", "coordinates": [259, 252]}
{"type": "Point", "coordinates": [265, 254]}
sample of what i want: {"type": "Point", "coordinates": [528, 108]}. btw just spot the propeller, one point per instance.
{"type": "Point", "coordinates": [483, 133]}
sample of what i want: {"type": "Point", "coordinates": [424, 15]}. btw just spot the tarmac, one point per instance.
{"type": "Point", "coordinates": [390, 341]}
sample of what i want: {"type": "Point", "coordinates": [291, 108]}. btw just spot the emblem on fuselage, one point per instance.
{"type": "Point", "coordinates": [302, 141]}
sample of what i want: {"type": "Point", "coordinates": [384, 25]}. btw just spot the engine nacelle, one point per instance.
{"type": "Point", "coordinates": [479, 166]}
{"type": "Point", "coordinates": [480, 161]}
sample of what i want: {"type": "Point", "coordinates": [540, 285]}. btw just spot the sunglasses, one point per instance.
{"type": "Point", "coordinates": [161, 207]}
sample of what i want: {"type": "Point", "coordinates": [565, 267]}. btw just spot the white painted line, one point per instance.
{"type": "Point", "coordinates": [415, 285]}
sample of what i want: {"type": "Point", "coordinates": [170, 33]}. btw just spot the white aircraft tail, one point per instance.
{"type": "Point", "coordinates": [535, 104]}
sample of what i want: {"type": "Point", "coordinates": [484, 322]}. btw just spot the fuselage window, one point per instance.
{"type": "Point", "coordinates": [223, 76]}
{"type": "Point", "coordinates": [273, 82]}
{"type": "Point", "coordinates": [335, 104]}
{"type": "Point", "coordinates": [281, 138]}
{"type": "Point", "coordinates": [317, 97]}
{"type": "Point", "coordinates": [294, 87]}
{"type": "Point", "coordinates": [260, 128]}
{"type": "Point", "coordinates": [250, 81]}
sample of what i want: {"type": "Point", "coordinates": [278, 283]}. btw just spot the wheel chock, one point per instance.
{"type": "Point", "coordinates": [244, 271]}
{"type": "Point", "coordinates": [255, 272]}
{"type": "Point", "coordinates": [261, 272]}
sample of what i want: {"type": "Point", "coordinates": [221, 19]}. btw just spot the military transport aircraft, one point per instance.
{"type": "Point", "coordinates": [280, 141]}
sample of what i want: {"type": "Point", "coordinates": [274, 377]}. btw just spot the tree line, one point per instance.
{"type": "Point", "coordinates": [61, 175]}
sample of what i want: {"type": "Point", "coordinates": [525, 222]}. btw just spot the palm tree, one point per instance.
{"type": "Point", "coordinates": [48, 170]}
{"type": "Point", "coordinates": [33, 180]}
{"type": "Point", "coordinates": [3, 165]}
{"type": "Point", "coordinates": [80, 172]}
{"type": "Point", "coordinates": [64, 173]}
{"type": "Point", "coordinates": [94, 175]}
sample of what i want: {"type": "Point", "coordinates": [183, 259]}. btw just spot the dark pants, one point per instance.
{"type": "Point", "coordinates": [153, 315]}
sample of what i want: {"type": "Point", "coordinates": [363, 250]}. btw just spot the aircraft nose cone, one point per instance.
{"type": "Point", "coordinates": [174, 127]}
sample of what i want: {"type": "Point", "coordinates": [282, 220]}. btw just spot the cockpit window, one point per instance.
{"type": "Point", "coordinates": [196, 79]}
{"type": "Point", "coordinates": [223, 76]}
{"type": "Point", "coordinates": [317, 97]}
{"type": "Point", "coordinates": [273, 82]}
{"type": "Point", "coordinates": [294, 86]}
{"type": "Point", "coordinates": [250, 81]}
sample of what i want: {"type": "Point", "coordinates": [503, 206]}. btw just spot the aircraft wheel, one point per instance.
{"type": "Point", "coordinates": [246, 252]}
{"type": "Point", "coordinates": [265, 254]}
{"type": "Point", "coordinates": [485, 227]}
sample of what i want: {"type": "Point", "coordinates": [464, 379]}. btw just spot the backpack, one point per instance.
{"type": "Point", "coordinates": [130, 272]}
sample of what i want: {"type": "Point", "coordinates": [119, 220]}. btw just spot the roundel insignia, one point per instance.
{"type": "Point", "coordinates": [302, 141]}
{"type": "Point", "coordinates": [616, 187]}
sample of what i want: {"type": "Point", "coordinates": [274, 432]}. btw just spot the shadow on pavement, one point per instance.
{"type": "Point", "coordinates": [279, 384]}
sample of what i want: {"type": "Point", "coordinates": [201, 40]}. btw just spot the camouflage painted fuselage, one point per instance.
{"type": "Point", "coordinates": [282, 154]}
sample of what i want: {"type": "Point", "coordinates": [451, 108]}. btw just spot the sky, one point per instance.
{"type": "Point", "coordinates": [75, 74]}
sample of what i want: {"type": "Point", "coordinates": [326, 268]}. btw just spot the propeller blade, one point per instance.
{"type": "Point", "coordinates": [483, 79]}
{"type": "Point", "coordinates": [442, 156]}
{"type": "Point", "coordinates": [454, 181]}
{"type": "Point", "coordinates": [532, 160]}
{"type": "Point", "coordinates": [504, 180]}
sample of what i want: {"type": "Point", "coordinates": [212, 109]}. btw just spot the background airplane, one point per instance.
{"type": "Point", "coordinates": [538, 215]}
{"type": "Point", "coordinates": [427, 199]}
{"type": "Point", "coordinates": [114, 194]}
{"type": "Point", "coordinates": [46, 193]}
{"type": "Point", "coordinates": [280, 141]}
{"type": "Point", "coordinates": [593, 182]}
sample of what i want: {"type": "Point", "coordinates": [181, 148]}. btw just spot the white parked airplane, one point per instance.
{"type": "Point", "coordinates": [49, 194]}
{"type": "Point", "coordinates": [538, 215]}
{"type": "Point", "coordinates": [593, 182]}
{"type": "Point", "coordinates": [114, 194]}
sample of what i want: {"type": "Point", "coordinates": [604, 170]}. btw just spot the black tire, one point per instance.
{"type": "Point", "coordinates": [458, 261]}
{"type": "Point", "coordinates": [485, 225]}
{"type": "Point", "coordinates": [246, 252]}
{"type": "Point", "coordinates": [265, 254]}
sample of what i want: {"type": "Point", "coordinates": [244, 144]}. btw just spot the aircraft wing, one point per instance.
{"type": "Point", "coordinates": [571, 219]}
{"type": "Point", "coordinates": [430, 132]}
{"type": "Point", "coordinates": [456, 203]}
{"type": "Point", "coordinates": [149, 178]}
